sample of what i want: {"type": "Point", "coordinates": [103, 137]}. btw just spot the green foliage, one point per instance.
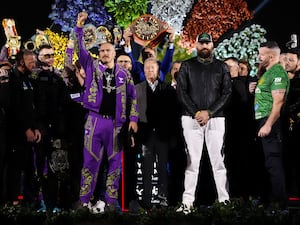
{"type": "Point", "coordinates": [179, 54]}
{"type": "Point", "coordinates": [233, 212]}
{"type": "Point", "coordinates": [126, 11]}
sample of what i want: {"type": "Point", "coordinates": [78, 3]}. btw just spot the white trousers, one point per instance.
{"type": "Point", "coordinates": [213, 135]}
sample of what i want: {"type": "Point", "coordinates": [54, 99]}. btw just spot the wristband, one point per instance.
{"type": "Point", "coordinates": [198, 112]}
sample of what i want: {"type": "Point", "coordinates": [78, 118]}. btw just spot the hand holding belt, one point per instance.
{"type": "Point", "coordinates": [13, 42]}
{"type": "Point", "coordinates": [148, 30]}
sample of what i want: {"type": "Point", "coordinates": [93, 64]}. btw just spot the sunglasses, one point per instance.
{"type": "Point", "coordinates": [48, 56]}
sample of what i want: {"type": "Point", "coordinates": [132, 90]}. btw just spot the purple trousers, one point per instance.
{"type": "Point", "coordinates": [100, 135]}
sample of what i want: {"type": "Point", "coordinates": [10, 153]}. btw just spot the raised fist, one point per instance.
{"type": "Point", "coordinates": [81, 18]}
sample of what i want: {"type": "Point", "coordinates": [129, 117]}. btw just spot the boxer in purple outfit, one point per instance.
{"type": "Point", "coordinates": [110, 97]}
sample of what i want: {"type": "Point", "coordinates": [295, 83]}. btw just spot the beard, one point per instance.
{"type": "Point", "coordinates": [27, 71]}
{"type": "Point", "coordinates": [204, 53]}
{"type": "Point", "coordinates": [105, 60]}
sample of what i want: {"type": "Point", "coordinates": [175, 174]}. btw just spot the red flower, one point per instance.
{"type": "Point", "coordinates": [214, 17]}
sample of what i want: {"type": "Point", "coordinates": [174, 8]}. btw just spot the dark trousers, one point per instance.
{"type": "Point", "coordinates": [291, 157]}
{"type": "Point", "coordinates": [154, 150]}
{"type": "Point", "coordinates": [55, 187]}
{"type": "Point", "coordinates": [272, 148]}
{"type": "Point", "coordinates": [130, 175]}
{"type": "Point", "coordinates": [20, 172]}
{"type": "Point", "coordinates": [177, 164]}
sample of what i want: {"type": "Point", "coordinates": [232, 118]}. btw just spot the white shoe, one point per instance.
{"type": "Point", "coordinates": [56, 210]}
{"type": "Point", "coordinates": [43, 207]}
{"type": "Point", "coordinates": [98, 207]}
{"type": "Point", "coordinates": [87, 205]}
{"type": "Point", "coordinates": [184, 208]}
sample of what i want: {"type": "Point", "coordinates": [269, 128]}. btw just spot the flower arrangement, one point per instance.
{"type": "Point", "coordinates": [243, 45]}
{"type": "Point", "coordinates": [214, 17]}
{"type": "Point", "coordinates": [64, 13]}
{"type": "Point", "coordinates": [172, 11]}
{"type": "Point", "coordinates": [188, 18]}
{"type": "Point", "coordinates": [59, 44]}
{"type": "Point", "coordinates": [126, 11]}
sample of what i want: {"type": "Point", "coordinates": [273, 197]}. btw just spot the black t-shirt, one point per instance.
{"type": "Point", "coordinates": [108, 106]}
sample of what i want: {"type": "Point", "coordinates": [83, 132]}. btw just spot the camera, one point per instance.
{"type": "Point", "coordinates": [293, 43]}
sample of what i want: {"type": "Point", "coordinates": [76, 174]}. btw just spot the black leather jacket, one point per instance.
{"type": "Point", "coordinates": [203, 86]}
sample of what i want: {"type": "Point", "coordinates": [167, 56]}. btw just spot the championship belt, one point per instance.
{"type": "Point", "coordinates": [93, 36]}
{"type": "Point", "coordinates": [37, 40]}
{"type": "Point", "coordinates": [13, 42]}
{"type": "Point", "coordinates": [148, 30]}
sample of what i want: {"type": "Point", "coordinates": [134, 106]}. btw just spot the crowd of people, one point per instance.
{"type": "Point", "coordinates": [68, 136]}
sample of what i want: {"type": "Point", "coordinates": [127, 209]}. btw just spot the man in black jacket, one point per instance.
{"type": "Point", "coordinates": [291, 123]}
{"type": "Point", "coordinates": [204, 89]}
{"type": "Point", "coordinates": [23, 127]}
{"type": "Point", "coordinates": [156, 103]}
{"type": "Point", "coordinates": [51, 98]}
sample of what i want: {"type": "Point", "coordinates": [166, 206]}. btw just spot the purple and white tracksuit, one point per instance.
{"type": "Point", "coordinates": [101, 132]}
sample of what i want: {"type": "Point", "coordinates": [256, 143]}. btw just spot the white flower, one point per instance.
{"type": "Point", "coordinates": [243, 45]}
{"type": "Point", "coordinates": [173, 12]}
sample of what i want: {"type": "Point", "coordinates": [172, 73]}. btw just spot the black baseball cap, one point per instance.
{"type": "Point", "coordinates": [204, 37]}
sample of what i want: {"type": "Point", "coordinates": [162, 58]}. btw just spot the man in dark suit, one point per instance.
{"type": "Point", "coordinates": [154, 99]}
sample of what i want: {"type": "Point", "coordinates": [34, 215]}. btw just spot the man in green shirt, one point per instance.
{"type": "Point", "coordinates": [270, 95]}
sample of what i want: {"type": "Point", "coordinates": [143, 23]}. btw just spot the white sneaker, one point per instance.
{"type": "Point", "coordinates": [184, 208]}
{"type": "Point", "coordinates": [98, 207]}
{"type": "Point", "coordinates": [56, 210]}
{"type": "Point", "coordinates": [43, 207]}
{"type": "Point", "coordinates": [87, 205]}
